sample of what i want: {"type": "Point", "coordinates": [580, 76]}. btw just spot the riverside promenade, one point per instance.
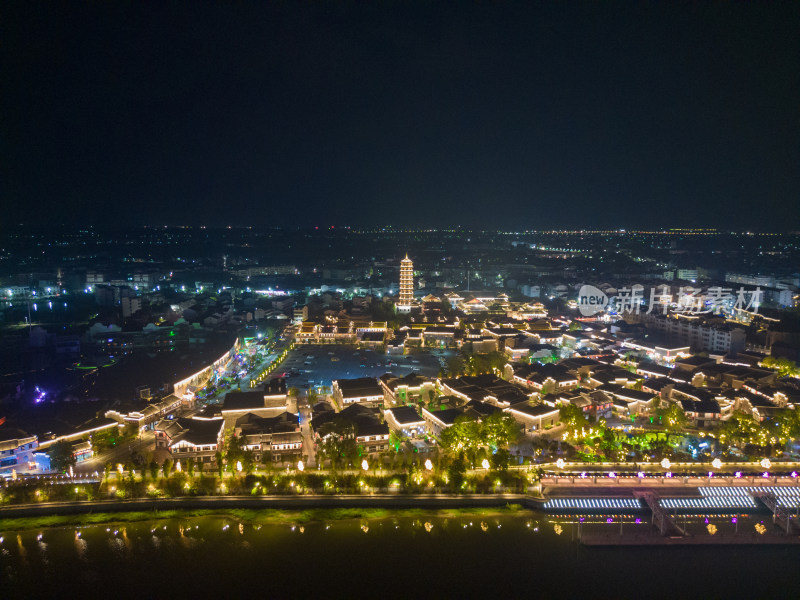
{"type": "Point", "coordinates": [550, 487]}
{"type": "Point", "coordinates": [570, 485]}
{"type": "Point", "coordinates": [280, 502]}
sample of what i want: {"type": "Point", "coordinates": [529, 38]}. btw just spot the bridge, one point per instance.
{"type": "Point", "coordinates": [661, 518]}
{"type": "Point", "coordinates": [780, 515]}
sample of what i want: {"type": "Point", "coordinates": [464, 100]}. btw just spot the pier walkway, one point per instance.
{"type": "Point", "coordinates": [661, 518]}
{"type": "Point", "coordinates": [780, 514]}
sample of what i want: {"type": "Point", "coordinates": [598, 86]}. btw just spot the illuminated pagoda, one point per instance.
{"type": "Point", "coordinates": [406, 299]}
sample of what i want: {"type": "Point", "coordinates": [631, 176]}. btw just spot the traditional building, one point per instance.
{"type": "Point", "coordinates": [363, 390]}
{"type": "Point", "coordinates": [406, 420]}
{"type": "Point", "coordinates": [190, 438]}
{"type": "Point", "coordinates": [278, 437]}
{"type": "Point", "coordinates": [17, 451]}
{"type": "Point", "coordinates": [534, 417]}
{"type": "Point", "coordinates": [370, 433]}
{"type": "Point", "coordinates": [402, 390]}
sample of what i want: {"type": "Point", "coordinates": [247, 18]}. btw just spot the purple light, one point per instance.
{"type": "Point", "coordinates": [609, 520]}
{"type": "Point", "coordinates": [612, 475]}
{"type": "Point", "coordinates": [640, 475]}
{"type": "Point", "coordinates": [794, 474]}
{"type": "Point", "coordinates": [765, 474]}
{"type": "Point", "coordinates": [40, 396]}
{"type": "Point", "coordinates": [710, 474]}
{"type": "Point", "coordinates": [733, 520]}
{"type": "Point", "coordinates": [738, 474]}
{"type": "Point", "coordinates": [638, 520]}
{"type": "Point", "coordinates": [668, 474]}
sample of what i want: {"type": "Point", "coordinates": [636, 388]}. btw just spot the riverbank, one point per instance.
{"type": "Point", "coordinates": [377, 502]}
{"type": "Point", "coordinates": [253, 516]}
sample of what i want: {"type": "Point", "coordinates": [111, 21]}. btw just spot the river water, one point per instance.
{"type": "Point", "coordinates": [525, 554]}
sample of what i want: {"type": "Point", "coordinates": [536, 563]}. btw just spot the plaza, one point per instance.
{"type": "Point", "coordinates": [312, 366]}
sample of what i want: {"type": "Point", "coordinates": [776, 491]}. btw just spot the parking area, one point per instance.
{"type": "Point", "coordinates": [318, 365]}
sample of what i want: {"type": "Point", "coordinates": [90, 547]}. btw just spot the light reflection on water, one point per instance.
{"type": "Point", "coordinates": [222, 555]}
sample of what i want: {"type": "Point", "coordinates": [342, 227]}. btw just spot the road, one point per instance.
{"type": "Point", "coordinates": [118, 454]}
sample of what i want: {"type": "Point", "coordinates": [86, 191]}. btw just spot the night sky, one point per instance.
{"type": "Point", "coordinates": [516, 115]}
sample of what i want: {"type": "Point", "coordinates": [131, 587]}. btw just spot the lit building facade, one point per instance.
{"type": "Point", "coordinates": [406, 285]}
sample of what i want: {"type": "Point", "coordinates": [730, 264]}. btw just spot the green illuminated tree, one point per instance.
{"type": "Point", "coordinates": [456, 473]}
{"type": "Point", "coordinates": [396, 439]}
{"type": "Point", "coordinates": [787, 425]}
{"type": "Point", "coordinates": [455, 365]}
{"type": "Point", "coordinates": [784, 366]}
{"type": "Point", "coordinates": [236, 452]}
{"type": "Point", "coordinates": [548, 388]}
{"type": "Point", "coordinates": [673, 418]}
{"type": "Point", "coordinates": [499, 430]}
{"type": "Point", "coordinates": [572, 417]}
{"type": "Point", "coordinates": [61, 457]}
{"type": "Point", "coordinates": [497, 360]}
{"type": "Point", "coordinates": [219, 460]}
{"type": "Point", "coordinates": [742, 428]}
{"type": "Point", "coordinates": [464, 435]}
{"type": "Point", "coordinates": [339, 441]}
{"type": "Point", "coordinates": [499, 460]}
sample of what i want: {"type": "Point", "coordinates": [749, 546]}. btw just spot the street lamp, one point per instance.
{"type": "Point", "coordinates": [429, 465]}
{"type": "Point", "coordinates": [300, 466]}
{"type": "Point", "coordinates": [716, 463]}
{"type": "Point", "coordinates": [666, 464]}
{"type": "Point", "coordinates": [485, 463]}
{"type": "Point", "coordinates": [365, 465]}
